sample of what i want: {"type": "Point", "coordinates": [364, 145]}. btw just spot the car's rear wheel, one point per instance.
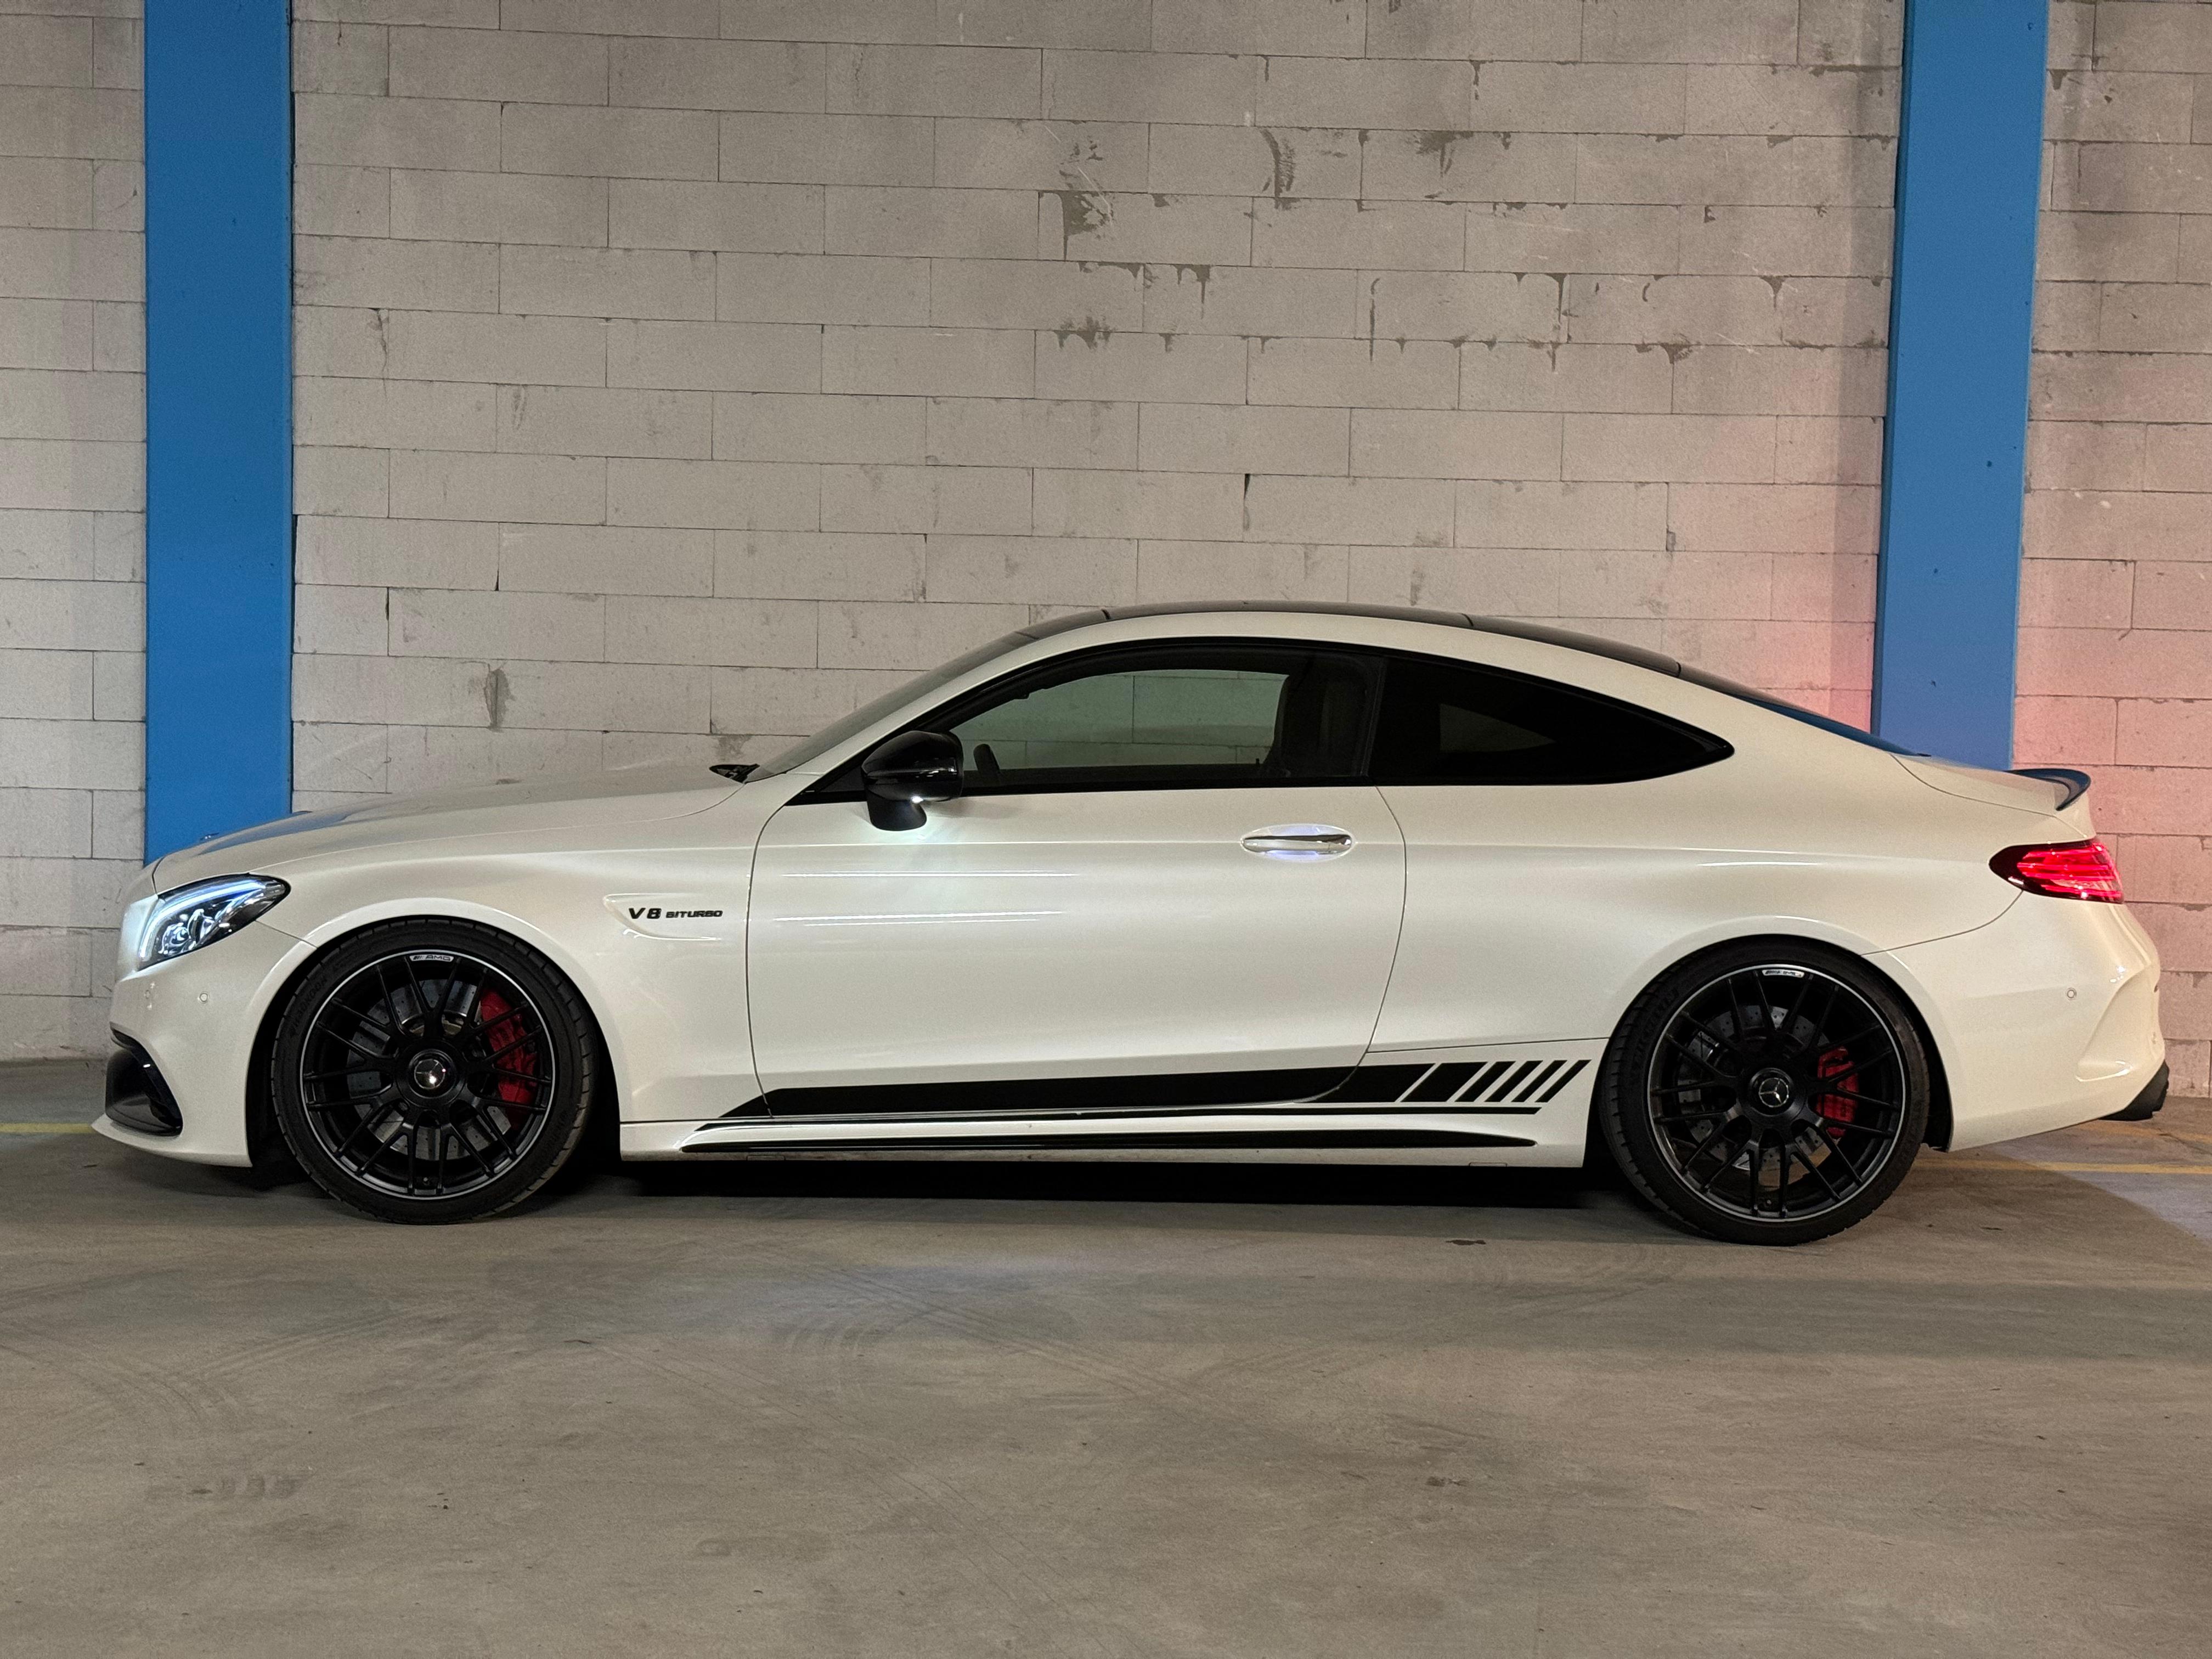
{"type": "Point", "coordinates": [433, 1071]}
{"type": "Point", "coordinates": [1768, 1093]}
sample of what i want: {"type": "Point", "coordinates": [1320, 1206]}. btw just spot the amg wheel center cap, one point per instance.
{"type": "Point", "coordinates": [431, 1073]}
{"type": "Point", "coordinates": [1773, 1089]}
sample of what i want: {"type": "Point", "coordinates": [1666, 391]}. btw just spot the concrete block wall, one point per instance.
{"type": "Point", "coordinates": [2115, 622]}
{"type": "Point", "coordinates": [72, 501]}
{"type": "Point", "coordinates": [673, 376]}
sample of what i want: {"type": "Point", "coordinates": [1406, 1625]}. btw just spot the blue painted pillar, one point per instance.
{"type": "Point", "coordinates": [218, 417]}
{"type": "Point", "coordinates": [1969, 176]}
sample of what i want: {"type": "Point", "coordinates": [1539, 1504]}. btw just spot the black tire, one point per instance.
{"type": "Point", "coordinates": [1770, 1092]}
{"type": "Point", "coordinates": [431, 1071]}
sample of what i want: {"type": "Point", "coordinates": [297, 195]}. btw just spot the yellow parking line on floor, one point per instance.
{"type": "Point", "coordinates": [7, 1128]}
{"type": "Point", "coordinates": [2075, 1169]}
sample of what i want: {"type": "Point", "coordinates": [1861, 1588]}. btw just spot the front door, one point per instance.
{"type": "Point", "coordinates": [1164, 885]}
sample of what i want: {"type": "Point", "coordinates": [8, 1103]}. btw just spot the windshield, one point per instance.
{"type": "Point", "coordinates": [868, 713]}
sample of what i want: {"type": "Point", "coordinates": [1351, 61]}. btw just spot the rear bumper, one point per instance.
{"type": "Point", "coordinates": [2145, 1104]}
{"type": "Point", "coordinates": [2046, 1018]}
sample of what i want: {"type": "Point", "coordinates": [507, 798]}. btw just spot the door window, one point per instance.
{"type": "Point", "coordinates": [1168, 717]}
{"type": "Point", "coordinates": [1445, 722]}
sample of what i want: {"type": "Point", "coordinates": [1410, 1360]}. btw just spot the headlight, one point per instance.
{"type": "Point", "coordinates": [187, 918]}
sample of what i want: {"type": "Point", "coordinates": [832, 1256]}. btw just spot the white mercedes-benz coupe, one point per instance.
{"type": "Point", "coordinates": [1225, 882]}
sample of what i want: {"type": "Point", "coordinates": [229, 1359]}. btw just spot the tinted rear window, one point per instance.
{"type": "Point", "coordinates": [1444, 722]}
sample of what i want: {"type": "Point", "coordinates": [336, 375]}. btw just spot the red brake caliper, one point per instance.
{"type": "Point", "coordinates": [501, 1027]}
{"type": "Point", "coordinates": [1838, 1105]}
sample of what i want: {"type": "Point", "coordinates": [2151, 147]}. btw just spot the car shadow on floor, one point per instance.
{"type": "Point", "coordinates": [1302, 1197]}
{"type": "Point", "coordinates": [1107, 1181]}
{"type": "Point", "coordinates": [1464, 1202]}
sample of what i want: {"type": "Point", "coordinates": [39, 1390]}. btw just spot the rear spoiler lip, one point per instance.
{"type": "Point", "coordinates": [2076, 784]}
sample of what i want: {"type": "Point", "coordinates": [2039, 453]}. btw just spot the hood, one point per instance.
{"type": "Point", "coordinates": [635, 795]}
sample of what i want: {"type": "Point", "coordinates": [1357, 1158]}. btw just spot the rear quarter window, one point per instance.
{"type": "Point", "coordinates": [1447, 722]}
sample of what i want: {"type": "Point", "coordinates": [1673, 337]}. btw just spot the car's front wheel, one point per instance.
{"type": "Point", "coordinates": [433, 1071]}
{"type": "Point", "coordinates": [1768, 1093]}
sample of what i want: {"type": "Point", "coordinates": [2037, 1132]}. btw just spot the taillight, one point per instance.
{"type": "Point", "coordinates": [2070, 869]}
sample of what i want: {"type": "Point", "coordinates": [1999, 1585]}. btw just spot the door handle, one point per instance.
{"type": "Point", "coordinates": [1299, 842]}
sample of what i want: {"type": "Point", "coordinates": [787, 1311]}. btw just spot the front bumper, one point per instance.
{"type": "Point", "coordinates": [138, 1097]}
{"type": "Point", "coordinates": [193, 1020]}
{"type": "Point", "coordinates": [2046, 1018]}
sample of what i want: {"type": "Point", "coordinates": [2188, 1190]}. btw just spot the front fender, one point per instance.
{"type": "Point", "coordinates": [672, 1010]}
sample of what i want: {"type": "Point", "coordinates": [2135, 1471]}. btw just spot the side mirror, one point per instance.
{"type": "Point", "coordinates": [902, 773]}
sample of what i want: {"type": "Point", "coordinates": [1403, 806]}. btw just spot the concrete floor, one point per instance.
{"type": "Point", "coordinates": [860, 1410]}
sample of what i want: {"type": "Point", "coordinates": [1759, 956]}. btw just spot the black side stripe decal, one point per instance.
{"type": "Point", "coordinates": [1373, 1084]}
{"type": "Point", "coordinates": [1565, 1076]}
{"type": "Point", "coordinates": [1505, 1088]}
{"type": "Point", "coordinates": [1122, 1092]}
{"type": "Point", "coordinates": [1465, 1083]}
{"type": "Point", "coordinates": [1444, 1083]}
{"type": "Point", "coordinates": [1491, 1074]}
{"type": "Point", "coordinates": [1537, 1081]}
{"type": "Point", "coordinates": [1265, 1110]}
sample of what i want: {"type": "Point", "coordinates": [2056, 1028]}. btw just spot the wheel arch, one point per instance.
{"type": "Point", "coordinates": [264, 1142]}
{"type": "Point", "coordinates": [1939, 1089]}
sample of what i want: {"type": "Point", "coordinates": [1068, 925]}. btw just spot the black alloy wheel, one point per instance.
{"type": "Point", "coordinates": [1772, 1093]}
{"type": "Point", "coordinates": [433, 1071]}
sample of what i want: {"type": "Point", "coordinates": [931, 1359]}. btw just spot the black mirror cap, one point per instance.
{"type": "Point", "coordinates": [903, 772]}
{"type": "Point", "coordinates": [915, 766]}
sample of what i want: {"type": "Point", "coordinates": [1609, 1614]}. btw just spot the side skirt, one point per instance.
{"type": "Point", "coordinates": [1527, 1105]}
{"type": "Point", "coordinates": [1313, 1137]}
{"type": "Point", "coordinates": [1360, 1138]}
{"type": "Point", "coordinates": [1045, 1152]}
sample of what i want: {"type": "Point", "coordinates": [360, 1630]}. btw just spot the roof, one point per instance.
{"type": "Point", "coordinates": [1514, 627]}
{"type": "Point", "coordinates": [1542, 632]}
